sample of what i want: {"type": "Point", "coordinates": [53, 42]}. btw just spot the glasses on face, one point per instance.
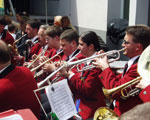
{"type": "Point", "coordinates": [125, 42]}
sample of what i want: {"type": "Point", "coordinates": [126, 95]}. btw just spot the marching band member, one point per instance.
{"type": "Point", "coordinates": [17, 85]}
{"type": "Point", "coordinates": [37, 47]}
{"type": "Point", "coordinates": [137, 38]}
{"type": "Point", "coordinates": [69, 44]}
{"type": "Point", "coordinates": [52, 35]}
{"type": "Point", "coordinates": [32, 28]}
{"type": "Point", "coordinates": [86, 87]}
{"type": "Point", "coordinates": [4, 34]}
{"type": "Point", "coordinates": [22, 47]}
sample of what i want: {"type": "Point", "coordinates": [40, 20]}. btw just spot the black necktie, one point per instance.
{"type": "Point", "coordinates": [125, 69]}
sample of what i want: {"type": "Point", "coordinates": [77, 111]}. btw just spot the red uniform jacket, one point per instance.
{"type": "Point", "coordinates": [110, 80]}
{"type": "Point", "coordinates": [74, 69]}
{"type": "Point", "coordinates": [16, 90]}
{"type": "Point", "coordinates": [49, 52]}
{"type": "Point", "coordinates": [7, 38]}
{"type": "Point", "coordinates": [145, 94]}
{"type": "Point", "coordinates": [34, 50]}
{"type": "Point", "coordinates": [88, 90]}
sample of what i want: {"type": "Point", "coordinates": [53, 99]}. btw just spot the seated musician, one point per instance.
{"type": "Point", "coordinates": [32, 28]}
{"type": "Point", "coordinates": [17, 85]}
{"type": "Point", "coordinates": [137, 38]}
{"type": "Point", "coordinates": [52, 35]}
{"type": "Point", "coordinates": [84, 85]}
{"type": "Point", "coordinates": [69, 44]}
{"type": "Point", "coordinates": [51, 38]}
{"type": "Point", "coordinates": [42, 47]}
{"type": "Point", "coordinates": [4, 34]}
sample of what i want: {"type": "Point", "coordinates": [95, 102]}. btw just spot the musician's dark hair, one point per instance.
{"type": "Point", "coordinates": [5, 55]}
{"type": "Point", "coordinates": [139, 112]}
{"type": "Point", "coordinates": [53, 31]}
{"type": "Point", "coordinates": [11, 27]}
{"type": "Point", "coordinates": [90, 37]}
{"type": "Point", "coordinates": [34, 23]}
{"type": "Point", "coordinates": [70, 35]}
{"type": "Point", "coordinates": [140, 33]}
{"type": "Point", "coordinates": [3, 20]}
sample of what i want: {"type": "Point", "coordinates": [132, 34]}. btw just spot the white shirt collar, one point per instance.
{"type": "Point", "coordinates": [70, 56]}
{"type": "Point", "coordinates": [131, 61]}
{"type": "Point", "coordinates": [34, 39]}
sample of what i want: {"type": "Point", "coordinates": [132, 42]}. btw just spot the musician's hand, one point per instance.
{"type": "Point", "coordinates": [101, 63]}
{"type": "Point", "coordinates": [26, 64]}
{"type": "Point", "coordinates": [42, 59]}
{"type": "Point", "coordinates": [49, 67]}
{"type": "Point", "coordinates": [143, 83]}
{"type": "Point", "coordinates": [34, 57]}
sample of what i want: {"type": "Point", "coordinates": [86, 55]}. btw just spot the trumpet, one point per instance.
{"type": "Point", "coordinates": [57, 70]}
{"type": "Point", "coordinates": [42, 53]}
{"type": "Point", "coordinates": [109, 92]}
{"type": "Point", "coordinates": [20, 38]}
{"type": "Point", "coordinates": [69, 63]}
{"type": "Point", "coordinates": [113, 53]}
{"type": "Point", "coordinates": [13, 47]}
{"type": "Point", "coordinates": [41, 72]}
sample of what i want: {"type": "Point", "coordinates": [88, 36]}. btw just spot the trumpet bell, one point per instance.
{"type": "Point", "coordinates": [144, 64]}
{"type": "Point", "coordinates": [104, 113]}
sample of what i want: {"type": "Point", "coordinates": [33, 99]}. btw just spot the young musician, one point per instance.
{"type": "Point", "coordinates": [40, 45]}
{"type": "Point", "coordinates": [52, 35]}
{"type": "Point", "coordinates": [17, 85]}
{"type": "Point", "coordinates": [69, 44]}
{"type": "Point", "coordinates": [137, 38]}
{"type": "Point", "coordinates": [86, 87]}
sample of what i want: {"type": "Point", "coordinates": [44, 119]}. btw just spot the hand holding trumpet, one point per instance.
{"type": "Point", "coordinates": [101, 62]}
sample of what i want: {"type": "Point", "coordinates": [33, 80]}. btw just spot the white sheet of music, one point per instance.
{"type": "Point", "coordinates": [12, 117]}
{"type": "Point", "coordinates": [61, 101]}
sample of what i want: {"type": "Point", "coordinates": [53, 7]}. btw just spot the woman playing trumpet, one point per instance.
{"type": "Point", "coordinates": [85, 85]}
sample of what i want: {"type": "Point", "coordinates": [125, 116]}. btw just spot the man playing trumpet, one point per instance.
{"type": "Point", "coordinates": [137, 38]}
{"type": "Point", "coordinates": [85, 85]}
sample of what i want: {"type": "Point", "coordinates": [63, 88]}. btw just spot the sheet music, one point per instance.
{"type": "Point", "coordinates": [12, 117]}
{"type": "Point", "coordinates": [61, 101]}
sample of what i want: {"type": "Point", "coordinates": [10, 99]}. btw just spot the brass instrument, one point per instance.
{"type": "Point", "coordinates": [104, 113]}
{"type": "Point", "coordinates": [42, 71]}
{"type": "Point", "coordinates": [57, 70]}
{"type": "Point", "coordinates": [20, 38]}
{"type": "Point", "coordinates": [42, 53]}
{"type": "Point", "coordinates": [36, 68]}
{"type": "Point", "coordinates": [144, 72]}
{"type": "Point", "coordinates": [13, 47]}
{"type": "Point", "coordinates": [69, 63]}
{"type": "Point", "coordinates": [115, 53]}
{"type": "Point", "coordinates": [109, 92]}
